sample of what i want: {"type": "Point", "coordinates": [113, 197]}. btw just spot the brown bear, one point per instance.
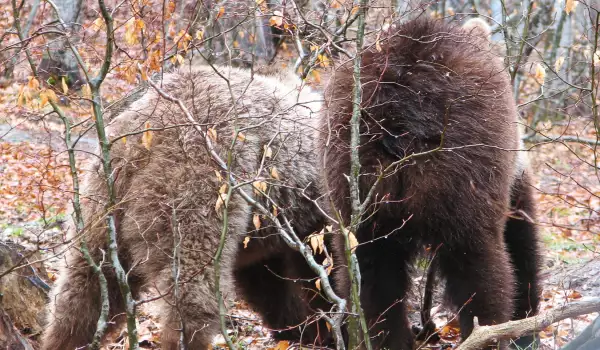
{"type": "Point", "coordinates": [437, 90]}
{"type": "Point", "coordinates": [167, 189]}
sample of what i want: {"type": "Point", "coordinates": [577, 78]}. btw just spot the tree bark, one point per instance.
{"type": "Point", "coordinates": [59, 61]}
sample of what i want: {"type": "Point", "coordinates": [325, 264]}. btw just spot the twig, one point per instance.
{"type": "Point", "coordinates": [485, 335]}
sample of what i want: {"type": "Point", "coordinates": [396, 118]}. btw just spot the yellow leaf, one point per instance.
{"type": "Point", "coordinates": [256, 221]}
{"type": "Point", "coordinates": [318, 283]}
{"type": "Point", "coordinates": [139, 24]}
{"type": "Point", "coordinates": [259, 186]}
{"type": "Point", "coordinates": [124, 140]}
{"type": "Point", "coordinates": [378, 46]}
{"type": "Point", "coordinates": [33, 83]}
{"type": "Point", "coordinates": [268, 151]}
{"type": "Point", "coordinates": [199, 35]}
{"type": "Point", "coordinates": [328, 263]}
{"type": "Point", "coordinates": [212, 133]}
{"type": "Point", "coordinates": [314, 243]}
{"type": "Point", "coordinates": [131, 37]}
{"type": "Point", "coordinates": [241, 137]}
{"type": "Point", "coordinates": [223, 189]}
{"type": "Point", "coordinates": [86, 91]}
{"type": "Point", "coordinates": [275, 173]}
{"type": "Point", "coordinates": [221, 12]}
{"type": "Point", "coordinates": [144, 74]}
{"type": "Point", "coordinates": [282, 345]}
{"type": "Point", "coordinates": [570, 5]}
{"type": "Point", "coordinates": [275, 210]}
{"type": "Point", "coordinates": [316, 76]}
{"type": "Point", "coordinates": [328, 326]}
{"type": "Point", "coordinates": [43, 98]}
{"type": "Point", "coordinates": [219, 203]}
{"type": "Point", "coordinates": [540, 73]}
{"type": "Point", "coordinates": [352, 241]}
{"type": "Point", "coordinates": [246, 240]}
{"type": "Point", "coordinates": [354, 10]}
{"type": "Point", "coordinates": [317, 242]}
{"type": "Point", "coordinates": [52, 95]}
{"type": "Point", "coordinates": [179, 59]}
{"type": "Point", "coordinates": [65, 88]}
{"type": "Point", "coordinates": [276, 20]}
{"type": "Point", "coordinates": [98, 24]}
{"type": "Point", "coordinates": [329, 228]}
{"type": "Point", "coordinates": [558, 64]}
{"type": "Point", "coordinates": [218, 174]}
{"type": "Point", "coordinates": [21, 96]}
{"type": "Point", "coordinates": [147, 136]}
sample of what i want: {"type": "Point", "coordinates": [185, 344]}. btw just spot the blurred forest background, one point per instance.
{"type": "Point", "coordinates": [50, 49]}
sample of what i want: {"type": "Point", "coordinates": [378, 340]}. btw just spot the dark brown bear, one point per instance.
{"type": "Point", "coordinates": [432, 84]}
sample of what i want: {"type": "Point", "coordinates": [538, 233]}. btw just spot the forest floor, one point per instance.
{"type": "Point", "coordinates": [35, 192]}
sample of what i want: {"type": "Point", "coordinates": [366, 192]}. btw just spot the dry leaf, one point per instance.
{"type": "Point", "coordinates": [352, 240]}
{"type": "Point", "coordinates": [43, 98]}
{"type": "Point", "coordinates": [318, 283]}
{"type": "Point", "coordinates": [540, 74]}
{"type": "Point", "coordinates": [328, 263]}
{"type": "Point", "coordinates": [268, 151]}
{"type": "Point", "coordinates": [86, 91]}
{"type": "Point", "coordinates": [131, 37]}
{"type": "Point", "coordinates": [276, 20]}
{"type": "Point", "coordinates": [221, 12]}
{"type": "Point", "coordinates": [275, 212]}
{"type": "Point", "coordinates": [256, 221]}
{"type": "Point", "coordinates": [33, 83]}
{"type": "Point", "coordinates": [223, 189]}
{"type": "Point", "coordinates": [317, 242]}
{"type": "Point", "coordinates": [212, 133]}
{"type": "Point", "coordinates": [246, 240]}
{"type": "Point", "coordinates": [219, 203]}
{"type": "Point", "coordinates": [314, 243]}
{"type": "Point", "coordinates": [558, 64]}
{"type": "Point", "coordinates": [147, 136]}
{"type": "Point", "coordinates": [241, 137]}
{"type": "Point", "coordinates": [51, 95]}
{"type": "Point", "coordinates": [275, 173]}
{"type": "Point", "coordinates": [218, 174]}
{"type": "Point", "coordinates": [64, 85]}
{"type": "Point", "coordinates": [282, 345]}
{"type": "Point", "coordinates": [259, 186]}
{"type": "Point", "coordinates": [570, 5]}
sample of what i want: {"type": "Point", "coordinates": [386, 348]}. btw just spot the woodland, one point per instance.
{"type": "Point", "coordinates": [68, 67]}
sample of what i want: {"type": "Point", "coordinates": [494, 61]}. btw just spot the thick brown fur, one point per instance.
{"type": "Point", "coordinates": [433, 84]}
{"type": "Point", "coordinates": [168, 192]}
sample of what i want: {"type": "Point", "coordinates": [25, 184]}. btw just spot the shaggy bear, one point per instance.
{"type": "Point", "coordinates": [437, 111]}
{"type": "Point", "coordinates": [167, 190]}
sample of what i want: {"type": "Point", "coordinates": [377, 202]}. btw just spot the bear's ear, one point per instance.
{"type": "Point", "coordinates": [478, 27]}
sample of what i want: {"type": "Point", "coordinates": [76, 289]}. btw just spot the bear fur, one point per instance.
{"type": "Point", "coordinates": [167, 193]}
{"type": "Point", "coordinates": [430, 85]}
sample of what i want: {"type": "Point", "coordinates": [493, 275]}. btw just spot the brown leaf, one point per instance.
{"type": "Point", "coordinates": [147, 136]}
{"type": "Point", "coordinates": [570, 5]}
{"type": "Point", "coordinates": [256, 221]}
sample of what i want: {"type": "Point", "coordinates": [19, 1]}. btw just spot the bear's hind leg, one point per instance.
{"type": "Point", "coordinates": [75, 305]}
{"type": "Point", "coordinates": [520, 235]}
{"type": "Point", "coordinates": [384, 268]}
{"type": "Point", "coordinates": [479, 282]}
